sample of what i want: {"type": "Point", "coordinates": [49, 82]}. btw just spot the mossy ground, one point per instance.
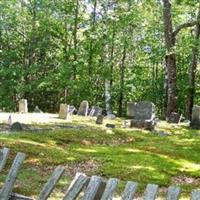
{"type": "Point", "coordinates": [128, 154]}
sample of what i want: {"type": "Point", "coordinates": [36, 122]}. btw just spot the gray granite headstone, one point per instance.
{"type": "Point", "coordinates": [174, 118]}
{"type": "Point", "coordinates": [71, 109]}
{"type": "Point", "coordinates": [23, 106]}
{"type": "Point", "coordinates": [63, 111]}
{"type": "Point", "coordinates": [99, 119]}
{"type": "Point", "coordinates": [195, 122]}
{"type": "Point", "coordinates": [142, 114]}
{"type": "Point", "coordinates": [95, 111]}
{"type": "Point", "coordinates": [16, 127]}
{"type": "Point", "coordinates": [83, 109]}
{"type": "Point", "coordinates": [131, 106]}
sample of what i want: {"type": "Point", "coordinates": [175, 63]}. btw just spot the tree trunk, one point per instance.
{"type": "Point", "coordinates": [192, 71]}
{"type": "Point", "coordinates": [170, 59]}
{"type": "Point", "coordinates": [93, 21]}
{"type": "Point", "coordinates": [75, 38]}
{"type": "Point", "coordinates": [122, 73]}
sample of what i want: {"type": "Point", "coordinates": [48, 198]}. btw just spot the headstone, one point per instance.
{"type": "Point", "coordinates": [174, 118]}
{"type": "Point", "coordinates": [195, 122]}
{"type": "Point", "coordinates": [63, 111]}
{"type": "Point", "coordinates": [23, 106]}
{"type": "Point", "coordinates": [83, 109]}
{"type": "Point", "coordinates": [95, 111]}
{"type": "Point", "coordinates": [142, 114]}
{"type": "Point", "coordinates": [99, 119]}
{"type": "Point", "coordinates": [110, 125]}
{"type": "Point", "coordinates": [10, 121]}
{"type": "Point", "coordinates": [37, 110]}
{"type": "Point", "coordinates": [130, 109]}
{"type": "Point", "coordinates": [16, 127]}
{"type": "Point", "coordinates": [71, 109]}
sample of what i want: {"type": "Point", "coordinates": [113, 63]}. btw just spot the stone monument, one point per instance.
{"type": "Point", "coordinates": [63, 111]}
{"type": "Point", "coordinates": [23, 106]}
{"type": "Point", "coordinates": [83, 109]}
{"type": "Point", "coordinates": [195, 122]}
{"type": "Point", "coordinates": [142, 114]}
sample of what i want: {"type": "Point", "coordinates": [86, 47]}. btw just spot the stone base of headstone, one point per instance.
{"type": "Point", "coordinates": [99, 119]}
{"type": "Point", "coordinates": [195, 122]}
{"type": "Point", "coordinates": [63, 111]}
{"type": "Point", "coordinates": [143, 124]}
{"type": "Point", "coordinates": [23, 106]}
{"type": "Point", "coordinates": [174, 118]}
{"type": "Point", "coordinates": [110, 125]}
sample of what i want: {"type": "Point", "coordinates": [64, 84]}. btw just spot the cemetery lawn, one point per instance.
{"type": "Point", "coordinates": [127, 154]}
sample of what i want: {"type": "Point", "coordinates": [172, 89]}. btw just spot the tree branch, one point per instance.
{"type": "Point", "coordinates": [184, 25]}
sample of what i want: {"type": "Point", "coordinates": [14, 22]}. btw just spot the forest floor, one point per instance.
{"type": "Point", "coordinates": [127, 154]}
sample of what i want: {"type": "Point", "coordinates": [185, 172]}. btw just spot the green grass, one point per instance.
{"type": "Point", "coordinates": [123, 153]}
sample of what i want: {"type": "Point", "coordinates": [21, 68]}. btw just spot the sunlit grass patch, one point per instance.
{"type": "Point", "coordinates": [127, 154]}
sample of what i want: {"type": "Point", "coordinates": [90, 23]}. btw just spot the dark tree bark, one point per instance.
{"type": "Point", "coordinates": [192, 70]}
{"type": "Point", "coordinates": [170, 59]}
{"type": "Point", "coordinates": [170, 42]}
{"type": "Point", "coordinates": [122, 73]}
{"type": "Point", "coordinates": [93, 21]}
{"type": "Point", "coordinates": [75, 36]}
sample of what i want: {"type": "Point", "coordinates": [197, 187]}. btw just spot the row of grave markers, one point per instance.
{"type": "Point", "coordinates": [142, 114]}
{"type": "Point", "coordinates": [94, 188]}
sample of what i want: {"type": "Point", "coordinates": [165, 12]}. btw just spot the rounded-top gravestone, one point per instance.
{"type": "Point", "coordinates": [17, 126]}
{"type": "Point", "coordinates": [83, 109]}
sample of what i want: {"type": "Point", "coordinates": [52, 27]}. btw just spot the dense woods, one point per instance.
{"type": "Point", "coordinates": [105, 51]}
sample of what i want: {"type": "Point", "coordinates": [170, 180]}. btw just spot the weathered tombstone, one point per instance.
{"type": "Point", "coordinates": [95, 111]}
{"type": "Point", "coordinates": [130, 109]}
{"type": "Point", "coordinates": [110, 125]}
{"type": "Point", "coordinates": [143, 115]}
{"type": "Point", "coordinates": [195, 122]}
{"type": "Point", "coordinates": [37, 110]}
{"type": "Point", "coordinates": [99, 119]}
{"type": "Point", "coordinates": [63, 111]}
{"type": "Point", "coordinates": [174, 118]}
{"type": "Point", "coordinates": [71, 110]}
{"type": "Point", "coordinates": [9, 120]}
{"type": "Point", "coordinates": [83, 109]}
{"type": "Point", "coordinates": [16, 127]}
{"type": "Point", "coordinates": [23, 106]}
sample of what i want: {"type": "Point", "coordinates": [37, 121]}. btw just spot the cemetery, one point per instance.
{"type": "Point", "coordinates": [99, 100]}
{"type": "Point", "coordinates": [83, 140]}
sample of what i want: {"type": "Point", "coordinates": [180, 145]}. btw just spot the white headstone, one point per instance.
{"type": "Point", "coordinates": [63, 111]}
{"type": "Point", "coordinates": [23, 106]}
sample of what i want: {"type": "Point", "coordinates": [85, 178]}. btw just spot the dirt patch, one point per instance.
{"type": "Point", "coordinates": [182, 179]}
{"type": "Point", "coordinates": [88, 167]}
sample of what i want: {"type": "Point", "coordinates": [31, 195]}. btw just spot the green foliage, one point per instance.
{"type": "Point", "coordinates": [47, 46]}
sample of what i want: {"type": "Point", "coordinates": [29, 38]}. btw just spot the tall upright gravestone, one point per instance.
{"type": "Point", "coordinates": [63, 112]}
{"type": "Point", "coordinates": [83, 109]}
{"type": "Point", "coordinates": [195, 122]}
{"type": "Point", "coordinates": [23, 106]}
